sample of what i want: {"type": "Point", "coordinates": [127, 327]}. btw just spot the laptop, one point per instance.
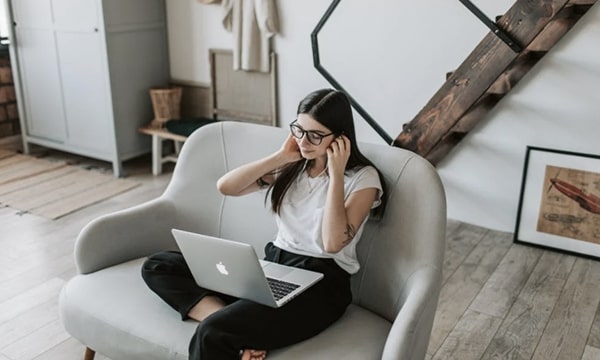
{"type": "Point", "coordinates": [233, 268]}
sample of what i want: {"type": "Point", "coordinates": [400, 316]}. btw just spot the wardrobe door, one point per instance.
{"type": "Point", "coordinates": [76, 14]}
{"type": "Point", "coordinates": [85, 90]}
{"type": "Point", "coordinates": [38, 65]}
{"type": "Point", "coordinates": [82, 68]}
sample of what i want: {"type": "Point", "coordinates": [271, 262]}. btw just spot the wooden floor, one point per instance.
{"type": "Point", "coordinates": [499, 300]}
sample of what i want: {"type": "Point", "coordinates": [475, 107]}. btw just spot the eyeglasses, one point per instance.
{"type": "Point", "coordinates": [312, 136]}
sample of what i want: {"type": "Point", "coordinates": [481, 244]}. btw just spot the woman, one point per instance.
{"type": "Point", "coordinates": [322, 190]}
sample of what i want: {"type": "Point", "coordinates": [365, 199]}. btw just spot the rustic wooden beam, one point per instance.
{"type": "Point", "coordinates": [524, 62]}
{"type": "Point", "coordinates": [523, 22]}
{"type": "Point", "coordinates": [462, 127]}
{"type": "Point", "coordinates": [545, 40]}
{"type": "Point", "coordinates": [557, 28]}
{"type": "Point", "coordinates": [503, 84]}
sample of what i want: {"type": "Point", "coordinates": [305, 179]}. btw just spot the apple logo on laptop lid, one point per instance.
{"type": "Point", "coordinates": [222, 268]}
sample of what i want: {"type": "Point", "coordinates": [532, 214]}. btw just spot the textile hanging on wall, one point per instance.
{"type": "Point", "coordinates": [252, 24]}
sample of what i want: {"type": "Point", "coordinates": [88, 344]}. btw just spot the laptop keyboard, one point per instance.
{"type": "Point", "coordinates": [281, 288]}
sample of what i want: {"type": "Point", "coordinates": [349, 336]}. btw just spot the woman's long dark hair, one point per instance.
{"type": "Point", "coordinates": [332, 109]}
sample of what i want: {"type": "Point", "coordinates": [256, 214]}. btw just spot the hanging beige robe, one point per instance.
{"type": "Point", "coordinates": [252, 24]}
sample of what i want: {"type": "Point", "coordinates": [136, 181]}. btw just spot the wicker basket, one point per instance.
{"type": "Point", "coordinates": [166, 103]}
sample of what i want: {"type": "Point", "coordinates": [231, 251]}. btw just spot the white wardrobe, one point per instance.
{"type": "Point", "coordinates": [84, 69]}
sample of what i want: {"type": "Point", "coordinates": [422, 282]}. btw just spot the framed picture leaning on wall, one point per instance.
{"type": "Point", "coordinates": [559, 203]}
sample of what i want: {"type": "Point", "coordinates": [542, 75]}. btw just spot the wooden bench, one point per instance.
{"type": "Point", "coordinates": [247, 96]}
{"type": "Point", "coordinates": [158, 136]}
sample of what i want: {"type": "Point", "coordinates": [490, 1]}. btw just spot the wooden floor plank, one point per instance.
{"type": "Point", "coordinates": [594, 338]}
{"type": "Point", "coordinates": [465, 283]}
{"type": "Point", "coordinates": [33, 297]}
{"type": "Point", "coordinates": [28, 322]}
{"type": "Point", "coordinates": [503, 287]}
{"type": "Point", "coordinates": [36, 276]}
{"type": "Point", "coordinates": [469, 339]}
{"type": "Point", "coordinates": [523, 327]}
{"type": "Point", "coordinates": [591, 353]}
{"type": "Point", "coordinates": [460, 242]}
{"type": "Point", "coordinates": [16, 225]}
{"type": "Point", "coordinates": [47, 253]}
{"type": "Point", "coordinates": [567, 331]}
{"type": "Point", "coordinates": [66, 350]}
{"type": "Point", "coordinates": [37, 342]}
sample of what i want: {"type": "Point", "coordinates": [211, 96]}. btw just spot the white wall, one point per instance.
{"type": "Point", "coordinates": [193, 29]}
{"type": "Point", "coordinates": [392, 56]}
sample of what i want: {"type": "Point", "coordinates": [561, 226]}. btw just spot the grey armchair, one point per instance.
{"type": "Point", "coordinates": [109, 309]}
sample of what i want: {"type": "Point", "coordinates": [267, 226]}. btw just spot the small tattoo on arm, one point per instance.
{"type": "Point", "coordinates": [261, 183]}
{"type": "Point", "coordinates": [350, 233]}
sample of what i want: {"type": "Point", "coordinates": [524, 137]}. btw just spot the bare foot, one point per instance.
{"type": "Point", "coordinates": [205, 307]}
{"type": "Point", "coordinates": [250, 354]}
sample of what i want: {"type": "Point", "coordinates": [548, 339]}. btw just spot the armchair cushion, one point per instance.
{"type": "Point", "coordinates": [159, 333]}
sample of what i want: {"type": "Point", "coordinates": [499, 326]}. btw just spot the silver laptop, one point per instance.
{"type": "Point", "coordinates": [233, 268]}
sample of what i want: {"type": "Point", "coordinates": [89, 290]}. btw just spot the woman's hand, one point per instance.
{"type": "Point", "coordinates": [338, 154]}
{"type": "Point", "coordinates": [289, 151]}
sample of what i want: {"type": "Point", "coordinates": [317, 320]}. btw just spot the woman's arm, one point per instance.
{"type": "Point", "coordinates": [245, 179]}
{"type": "Point", "coordinates": [341, 218]}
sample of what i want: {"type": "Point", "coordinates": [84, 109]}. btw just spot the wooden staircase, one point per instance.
{"type": "Point", "coordinates": [489, 73]}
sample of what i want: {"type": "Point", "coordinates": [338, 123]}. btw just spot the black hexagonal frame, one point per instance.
{"type": "Point", "coordinates": [334, 82]}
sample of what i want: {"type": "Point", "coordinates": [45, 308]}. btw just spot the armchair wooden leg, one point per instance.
{"type": "Point", "coordinates": [89, 354]}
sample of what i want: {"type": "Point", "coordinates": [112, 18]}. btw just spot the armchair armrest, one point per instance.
{"type": "Point", "coordinates": [125, 235]}
{"type": "Point", "coordinates": [409, 336]}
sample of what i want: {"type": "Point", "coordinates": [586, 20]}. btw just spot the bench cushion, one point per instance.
{"type": "Point", "coordinates": [187, 126]}
{"type": "Point", "coordinates": [99, 308]}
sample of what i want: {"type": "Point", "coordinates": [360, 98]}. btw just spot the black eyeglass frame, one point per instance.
{"type": "Point", "coordinates": [294, 125]}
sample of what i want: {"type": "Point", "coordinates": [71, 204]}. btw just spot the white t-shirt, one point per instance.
{"type": "Point", "coordinates": [301, 215]}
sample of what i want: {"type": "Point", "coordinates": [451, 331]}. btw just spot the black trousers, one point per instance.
{"type": "Point", "coordinates": [243, 324]}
